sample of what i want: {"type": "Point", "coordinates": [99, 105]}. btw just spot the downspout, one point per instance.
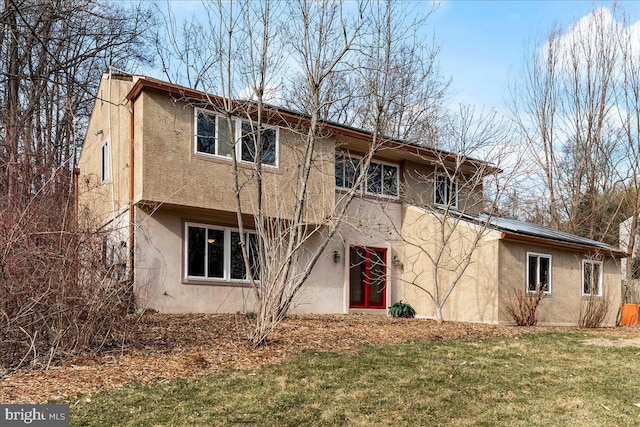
{"type": "Point", "coordinates": [131, 196]}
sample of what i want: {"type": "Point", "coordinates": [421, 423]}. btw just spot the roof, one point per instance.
{"type": "Point", "coordinates": [527, 232]}
{"type": "Point", "coordinates": [408, 146]}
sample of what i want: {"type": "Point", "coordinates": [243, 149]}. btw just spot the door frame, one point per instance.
{"type": "Point", "coordinates": [366, 285]}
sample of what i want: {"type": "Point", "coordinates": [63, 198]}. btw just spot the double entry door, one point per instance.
{"type": "Point", "coordinates": [367, 277]}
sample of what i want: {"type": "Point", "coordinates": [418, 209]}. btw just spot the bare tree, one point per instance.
{"type": "Point", "coordinates": [52, 55]}
{"type": "Point", "coordinates": [445, 227]}
{"type": "Point", "coordinates": [319, 54]}
{"type": "Point", "coordinates": [564, 108]}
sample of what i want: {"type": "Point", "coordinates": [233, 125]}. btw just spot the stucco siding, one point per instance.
{"type": "Point", "coordinates": [562, 307]}
{"type": "Point", "coordinates": [418, 185]}
{"type": "Point", "coordinates": [474, 297]}
{"type": "Point", "coordinates": [103, 201]}
{"type": "Point", "coordinates": [173, 173]}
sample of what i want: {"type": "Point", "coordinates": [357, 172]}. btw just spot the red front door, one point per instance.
{"type": "Point", "coordinates": [367, 277]}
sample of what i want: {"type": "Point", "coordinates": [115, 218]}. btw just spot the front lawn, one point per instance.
{"type": "Point", "coordinates": [548, 378]}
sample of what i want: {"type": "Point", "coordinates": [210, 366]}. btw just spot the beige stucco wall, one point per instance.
{"type": "Point", "coordinates": [475, 296]}
{"type": "Point", "coordinates": [102, 202]}
{"type": "Point", "coordinates": [562, 307]}
{"type": "Point", "coordinates": [418, 185]}
{"type": "Point", "coordinates": [174, 174]}
{"type": "Point", "coordinates": [160, 262]}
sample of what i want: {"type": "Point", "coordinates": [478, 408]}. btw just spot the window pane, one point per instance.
{"type": "Point", "coordinates": [248, 143]}
{"type": "Point", "coordinates": [390, 180]}
{"type": "Point", "coordinates": [237, 262]}
{"type": "Point", "coordinates": [351, 171]}
{"type": "Point", "coordinates": [225, 137]}
{"type": "Point", "coordinates": [374, 178]}
{"type": "Point", "coordinates": [215, 248]}
{"type": "Point", "coordinates": [340, 171]}
{"type": "Point", "coordinates": [269, 146]}
{"type": "Point", "coordinates": [195, 251]}
{"type": "Point", "coordinates": [377, 278]}
{"type": "Point", "coordinates": [544, 272]}
{"type": "Point", "coordinates": [441, 190]}
{"type": "Point", "coordinates": [586, 278]}
{"type": "Point", "coordinates": [357, 271]}
{"type": "Point", "coordinates": [254, 260]}
{"type": "Point", "coordinates": [105, 162]}
{"type": "Point", "coordinates": [533, 273]}
{"type": "Point", "coordinates": [206, 133]}
{"type": "Point", "coordinates": [597, 286]}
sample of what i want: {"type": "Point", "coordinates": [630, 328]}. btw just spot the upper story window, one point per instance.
{"type": "Point", "coordinates": [105, 162]}
{"type": "Point", "coordinates": [214, 253]}
{"type": "Point", "coordinates": [381, 178]}
{"type": "Point", "coordinates": [538, 272]}
{"type": "Point", "coordinates": [591, 278]}
{"type": "Point", "coordinates": [445, 191]}
{"type": "Point", "coordinates": [216, 136]}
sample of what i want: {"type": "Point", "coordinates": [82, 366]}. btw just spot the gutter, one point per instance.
{"type": "Point", "coordinates": [512, 237]}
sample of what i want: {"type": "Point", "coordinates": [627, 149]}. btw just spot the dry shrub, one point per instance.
{"type": "Point", "coordinates": [523, 306]}
{"type": "Point", "coordinates": [57, 295]}
{"type": "Point", "coordinates": [594, 310]}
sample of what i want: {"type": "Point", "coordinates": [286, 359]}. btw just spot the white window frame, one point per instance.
{"type": "Point", "coordinates": [526, 280]}
{"type": "Point", "coordinates": [105, 162]}
{"type": "Point", "coordinates": [600, 277]}
{"type": "Point", "coordinates": [237, 137]}
{"type": "Point", "coordinates": [226, 277]}
{"type": "Point", "coordinates": [452, 182]}
{"type": "Point", "coordinates": [382, 163]}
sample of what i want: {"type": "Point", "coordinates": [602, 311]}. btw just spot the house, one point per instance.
{"type": "Point", "coordinates": [631, 286]}
{"type": "Point", "coordinates": [156, 170]}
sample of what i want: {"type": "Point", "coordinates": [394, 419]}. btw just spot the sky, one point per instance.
{"type": "Point", "coordinates": [484, 42]}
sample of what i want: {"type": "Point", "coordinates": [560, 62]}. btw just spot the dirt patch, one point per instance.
{"type": "Point", "coordinates": [167, 347]}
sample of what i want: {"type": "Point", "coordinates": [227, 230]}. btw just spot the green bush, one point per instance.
{"type": "Point", "coordinates": [402, 309]}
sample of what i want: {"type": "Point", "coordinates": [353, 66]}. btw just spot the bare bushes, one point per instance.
{"type": "Point", "coordinates": [56, 292]}
{"type": "Point", "coordinates": [594, 310]}
{"type": "Point", "coordinates": [523, 306]}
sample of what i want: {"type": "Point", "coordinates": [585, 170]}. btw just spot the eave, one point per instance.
{"type": "Point", "coordinates": [520, 238]}
{"type": "Point", "coordinates": [295, 118]}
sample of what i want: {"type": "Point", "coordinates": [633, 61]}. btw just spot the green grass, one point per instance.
{"type": "Point", "coordinates": [546, 379]}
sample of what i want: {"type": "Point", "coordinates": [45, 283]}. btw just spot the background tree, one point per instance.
{"type": "Point", "coordinates": [51, 57]}
{"type": "Point", "coordinates": [565, 108]}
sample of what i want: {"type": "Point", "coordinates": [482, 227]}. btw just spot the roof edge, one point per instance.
{"type": "Point", "coordinates": [521, 238]}
{"type": "Point", "coordinates": [288, 115]}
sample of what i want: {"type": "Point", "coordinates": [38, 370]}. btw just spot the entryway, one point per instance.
{"type": "Point", "coordinates": [367, 277]}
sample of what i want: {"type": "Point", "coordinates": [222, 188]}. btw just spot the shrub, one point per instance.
{"type": "Point", "coordinates": [402, 309]}
{"type": "Point", "coordinates": [58, 295]}
{"type": "Point", "coordinates": [523, 306]}
{"type": "Point", "coordinates": [594, 310]}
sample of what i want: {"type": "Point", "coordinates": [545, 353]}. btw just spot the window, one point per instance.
{"type": "Point", "coordinates": [381, 178]}
{"type": "Point", "coordinates": [214, 253]}
{"type": "Point", "coordinates": [591, 278]}
{"type": "Point", "coordinates": [635, 267]}
{"type": "Point", "coordinates": [104, 162]}
{"type": "Point", "coordinates": [538, 272]}
{"type": "Point", "coordinates": [445, 191]}
{"type": "Point", "coordinates": [216, 138]}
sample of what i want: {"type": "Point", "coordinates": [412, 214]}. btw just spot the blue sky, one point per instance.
{"type": "Point", "coordinates": [483, 42]}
